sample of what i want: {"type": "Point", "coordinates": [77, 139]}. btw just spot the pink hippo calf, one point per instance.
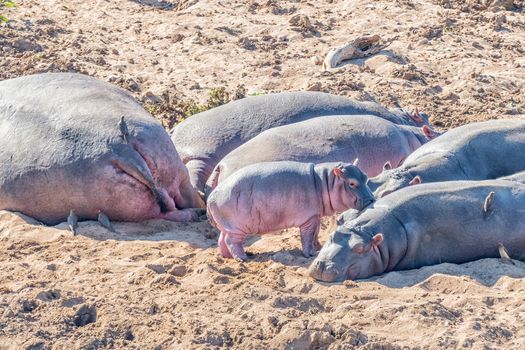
{"type": "Point", "coordinates": [272, 196]}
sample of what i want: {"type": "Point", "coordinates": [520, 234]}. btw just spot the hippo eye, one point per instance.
{"type": "Point", "coordinates": [352, 183]}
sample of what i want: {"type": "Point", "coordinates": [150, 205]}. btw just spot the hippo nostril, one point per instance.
{"type": "Point", "coordinates": [369, 202]}
{"type": "Point", "coordinates": [324, 272]}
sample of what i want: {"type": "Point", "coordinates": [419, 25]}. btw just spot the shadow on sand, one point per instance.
{"type": "Point", "coordinates": [485, 271]}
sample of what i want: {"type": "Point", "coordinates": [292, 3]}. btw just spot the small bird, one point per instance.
{"type": "Point", "coordinates": [72, 221]}
{"type": "Point", "coordinates": [104, 221]}
{"type": "Point", "coordinates": [123, 126]}
{"type": "Point", "coordinates": [504, 254]}
{"type": "Point", "coordinates": [488, 203]}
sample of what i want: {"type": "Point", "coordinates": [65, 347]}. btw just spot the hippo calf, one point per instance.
{"type": "Point", "coordinates": [477, 151]}
{"type": "Point", "coordinates": [373, 140]}
{"type": "Point", "coordinates": [455, 222]}
{"type": "Point", "coordinates": [205, 138]}
{"type": "Point", "coordinates": [69, 142]}
{"type": "Point", "coordinates": [266, 197]}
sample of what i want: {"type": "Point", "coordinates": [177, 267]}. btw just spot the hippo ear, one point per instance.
{"type": "Point", "coordinates": [415, 181]}
{"type": "Point", "coordinates": [359, 248]}
{"type": "Point", "coordinates": [387, 166]}
{"type": "Point", "coordinates": [356, 162]}
{"type": "Point", "coordinates": [428, 132]}
{"type": "Point", "coordinates": [415, 116]}
{"type": "Point", "coordinates": [377, 239]}
{"type": "Point", "coordinates": [338, 170]}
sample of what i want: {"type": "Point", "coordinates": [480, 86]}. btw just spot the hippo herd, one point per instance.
{"type": "Point", "coordinates": [76, 148]}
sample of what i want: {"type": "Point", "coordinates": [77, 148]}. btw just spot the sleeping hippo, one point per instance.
{"type": "Point", "coordinates": [455, 222]}
{"type": "Point", "coordinates": [266, 197]}
{"type": "Point", "coordinates": [373, 140]}
{"type": "Point", "coordinates": [69, 142]}
{"type": "Point", "coordinates": [205, 138]}
{"type": "Point", "coordinates": [477, 151]}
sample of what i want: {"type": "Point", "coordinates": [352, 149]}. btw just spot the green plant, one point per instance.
{"type": "Point", "coordinates": [6, 3]}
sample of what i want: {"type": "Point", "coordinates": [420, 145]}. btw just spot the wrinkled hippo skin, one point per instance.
{"type": "Point", "coordinates": [425, 225]}
{"type": "Point", "coordinates": [267, 197]}
{"type": "Point", "coordinates": [373, 140]}
{"type": "Point", "coordinates": [477, 151]}
{"type": "Point", "coordinates": [61, 148]}
{"type": "Point", "coordinates": [205, 138]}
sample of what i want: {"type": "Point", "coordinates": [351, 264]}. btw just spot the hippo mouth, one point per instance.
{"type": "Point", "coordinates": [141, 169]}
{"type": "Point", "coordinates": [325, 271]}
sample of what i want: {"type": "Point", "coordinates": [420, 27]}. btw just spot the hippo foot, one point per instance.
{"type": "Point", "coordinates": [185, 215]}
{"type": "Point", "coordinates": [225, 252]}
{"type": "Point", "coordinates": [310, 252]}
{"type": "Point", "coordinates": [231, 247]}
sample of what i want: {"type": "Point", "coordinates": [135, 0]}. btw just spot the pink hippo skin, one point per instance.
{"type": "Point", "coordinates": [62, 148]}
{"type": "Point", "coordinates": [343, 138]}
{"type": "Point", "coordinates": [267, 197]}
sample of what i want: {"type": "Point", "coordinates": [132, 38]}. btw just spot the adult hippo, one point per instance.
{"type": "Point", "coordinates": [72, 142]}
{"type": "Point", "coordinates": [477, 151]}
{"type": "Point", "coordinates": [373, 140]}
{"type": "Point", "coordinates": [455, 222]}
{"type": "Point", "coordinates": [205, 138]}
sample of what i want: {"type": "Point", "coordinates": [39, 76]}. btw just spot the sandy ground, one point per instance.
{"type": "Point", "coordinates": [162, 285]}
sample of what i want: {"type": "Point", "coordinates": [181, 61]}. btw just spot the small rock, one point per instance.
{"type": "Point", "coordinates": [177, 37]}
{"type": "Point", "coordinates": [28, 305]}
{"type": "Point", "coordinates": [86, 314]}
{"type": "Point", "coordinates": [423, 42]}
{"type": "Point", "coordinates": [153, 309]}
{"type": "Point", "coordinates": [314, 87]}
{"type": "Point", "coordinates": [450, 96]}
{"type": "Point", "coordinates": [114, 51]}
{"type": "Point", "coordinates": [247, 44]}
{"type": "Point", "coordinates": [178, 270]}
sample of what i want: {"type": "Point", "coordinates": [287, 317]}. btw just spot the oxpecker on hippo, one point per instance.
{"type": "Point", "coordinates": [205, 138]}
{"type": "Point", "coordinates": [69, 142]}
{"type": "Point", "coordinates": [267, 197]}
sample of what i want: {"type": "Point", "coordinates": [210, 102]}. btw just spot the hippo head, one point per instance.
{"type": "Point", "coordinates": [391, 180]}
{"type": "Point", "coordinates": [349, 188]}
{"type": "Point", "coordinates": [348, 255]}
{"type": "Point", "coordinates": [415, 117]}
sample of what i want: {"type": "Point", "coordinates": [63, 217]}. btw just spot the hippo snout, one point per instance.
{"type": "Point", "coordinates": [323, 271]}
{"type": "Point", "coordinates": [368, 202]}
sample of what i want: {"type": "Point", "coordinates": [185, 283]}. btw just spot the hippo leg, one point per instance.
{"type": "Point", "coordinates": [234, 243]}
{"type": "Point", "coordinates": [309, 236]}
{"type": "Point", "coordinates": [199, 172]}
{"type": "Point", "coordinates": [225, 252]}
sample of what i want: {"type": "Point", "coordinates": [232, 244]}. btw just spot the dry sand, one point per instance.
{"type": "Point", "coordinates": [163, 285]}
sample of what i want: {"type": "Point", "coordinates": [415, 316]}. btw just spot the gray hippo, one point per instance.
{"type": "Point", "coordinates": [477, 151]}
{"type": "Point", "coordinates": [455, 222]}
{"type": "Point", "coordinates": [267, 197]}
{"type": "Point", "coordinates": [373, 140]}
{"type": "Point", "coordinates": [72, 142]}
{"type": "Point", "coordinates": [205, 138]}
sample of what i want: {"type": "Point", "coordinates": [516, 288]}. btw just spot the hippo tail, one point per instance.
{"type": "Point", "coordinates": [212, 183]}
